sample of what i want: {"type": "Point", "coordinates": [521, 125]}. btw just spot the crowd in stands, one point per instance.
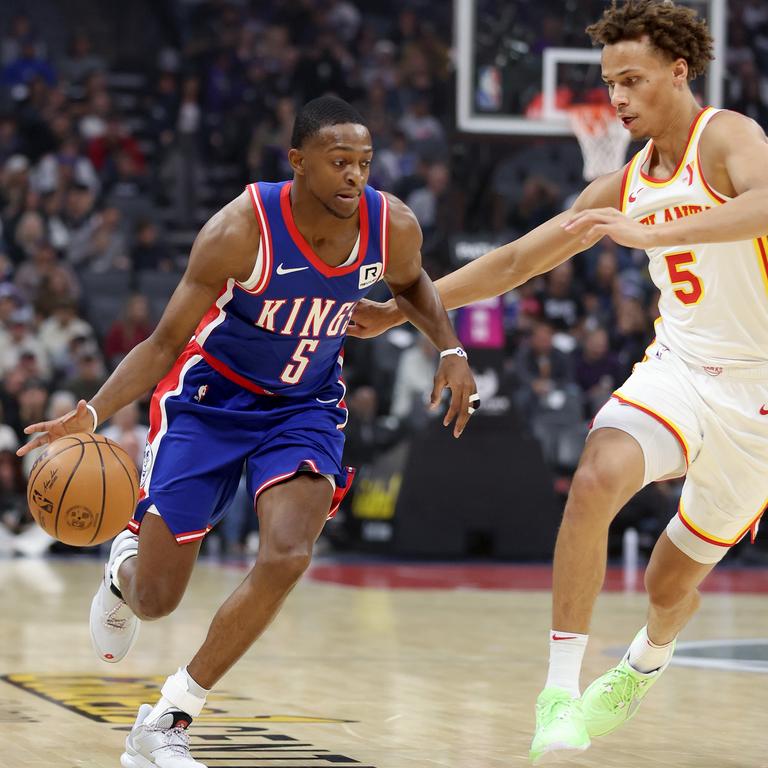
{"type": "Point", "coordinates": [97, 181]}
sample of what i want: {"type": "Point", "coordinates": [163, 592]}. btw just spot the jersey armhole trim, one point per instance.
{"type": "Point", "coordinates": [761, 247]}
{"type": "Point", "coordinates": [384, 237]}
{"type": "Point", "coordinates": [716, 196]}
{"type": "Point", "coordinates": [257, 273]}
{"type": "Point", "coordinates": [628, 174]}
{"type": "Point", "coordinates": [258, 280]}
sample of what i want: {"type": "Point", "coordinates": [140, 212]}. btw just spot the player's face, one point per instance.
{"type": "Point", "coordinates": [643, 85]}
{"type": "Point", "coordinates": [336, 165]}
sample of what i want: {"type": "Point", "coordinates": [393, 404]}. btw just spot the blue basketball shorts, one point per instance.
{"type": "Point", "coordinates": [204, 428]}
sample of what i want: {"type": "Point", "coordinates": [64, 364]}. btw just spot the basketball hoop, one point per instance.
{"type": "Point", "coordinates": [602, 138]}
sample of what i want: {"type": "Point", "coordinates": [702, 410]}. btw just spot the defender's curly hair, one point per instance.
{"type": "Point", "coordinates": [674, 30]}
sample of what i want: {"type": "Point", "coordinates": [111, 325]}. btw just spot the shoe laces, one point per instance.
{"type": "Point", "coordinates": [621, 688]}
{"type": "Point", "coordinates": [559, 709]}
{"type": "Point", "coordinates": [113, 620]}
{"type": "Point", "coordinates": [176, 740]}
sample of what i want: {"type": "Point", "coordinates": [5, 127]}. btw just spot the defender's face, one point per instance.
{"type": "Point", "coordinates": [642, 84]}
{"type": "Point", "coordinates": [336, 163]}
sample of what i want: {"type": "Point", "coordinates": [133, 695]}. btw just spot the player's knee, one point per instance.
{"type": "Point", "coordinates": [667, 591]}
{"type": "Point", "coordinates": [154, 601]}
{"type": "Point", "coordinates": [287, 563]}
{"type": "Point", "coordinates": [595, 486]}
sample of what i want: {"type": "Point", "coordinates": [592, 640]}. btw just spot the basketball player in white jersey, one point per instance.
{"type": "Point", "coordinates": [695, 198]}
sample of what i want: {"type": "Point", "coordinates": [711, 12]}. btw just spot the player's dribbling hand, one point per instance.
{"type": "Point", "coordinates": [372, 318]}
{"type": "Point", "coordinates": [595, 223]}
{"type": "Point", "coordinates": [455, 374]}
{"type": "Point", "coordinates": [79, 420]}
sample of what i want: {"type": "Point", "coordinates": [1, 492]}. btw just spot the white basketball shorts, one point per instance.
{"type": "Point", "coordinates": [719, 420]}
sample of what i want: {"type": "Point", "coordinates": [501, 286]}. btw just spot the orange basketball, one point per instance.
{"type": "Point", "coordinates": [83, 489]}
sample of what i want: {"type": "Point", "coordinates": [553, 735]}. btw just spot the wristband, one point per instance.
{"type": "Point", "coordinates": [94, 414]}
{"type": "Point", "coordinates": [458, 351]}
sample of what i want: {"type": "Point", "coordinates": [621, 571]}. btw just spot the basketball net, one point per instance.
{"type": "Point", "coordinates": [602, 138]}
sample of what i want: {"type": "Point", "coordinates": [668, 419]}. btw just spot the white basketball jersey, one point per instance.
{"type": "Point", "coordinates": [714, 296]}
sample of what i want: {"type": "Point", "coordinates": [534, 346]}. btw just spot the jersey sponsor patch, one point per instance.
{"type": "Point", "coordinates": [370, 274]}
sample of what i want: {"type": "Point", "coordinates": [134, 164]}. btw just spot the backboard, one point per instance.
{"type": "Point", "coordinates": [513, 68]}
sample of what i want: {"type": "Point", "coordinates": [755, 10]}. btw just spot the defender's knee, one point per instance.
{"type": "Point", "coordinates": [667, 592]}
{"type": "Point", "coordinates": [610, 472]}
{"type": "Point", "coordinates": [597, 492]}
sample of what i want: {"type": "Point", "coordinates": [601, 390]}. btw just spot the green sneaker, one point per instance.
{"type": "Point", "coordinates": [559, 726]}
{"type": "Point", "coordinates": [614, 697]}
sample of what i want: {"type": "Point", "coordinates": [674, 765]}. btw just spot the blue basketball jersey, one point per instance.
{"type": "Point", "coordinates": [259, 384]}
{"type": "Point", "coordinates": [281, 331]}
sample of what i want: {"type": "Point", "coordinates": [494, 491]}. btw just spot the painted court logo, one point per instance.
{"type": "Point", "coordinates": [734, 655]}
{"type": "Point", "coordinates": [229, 734]}
{"type": "Point", "coordinates": [738, 655]}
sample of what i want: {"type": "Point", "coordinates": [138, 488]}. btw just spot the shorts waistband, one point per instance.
{"type": "Point", "coordinates": [756, 373]}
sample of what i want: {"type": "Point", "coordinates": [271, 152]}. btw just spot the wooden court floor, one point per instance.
{"type": "Point", "coordinates": [360, 677]}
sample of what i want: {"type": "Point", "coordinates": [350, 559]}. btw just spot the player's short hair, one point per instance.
{"type": "Point", "coordinates": [675, 30]}
{"type": "Point", "coordinates": [320, 112]}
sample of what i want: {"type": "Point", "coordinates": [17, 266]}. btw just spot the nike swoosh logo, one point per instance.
{"type": "Point", "coordinates": [563, 637]}
{"type": "Point", "coordinates": [633, 196]}
{"type": "Point", "coordinates": [763, 411]}
{"type": "Point", "coordinates": [281, 270]}
{"type": "Point", "coordinates": [332, 400]}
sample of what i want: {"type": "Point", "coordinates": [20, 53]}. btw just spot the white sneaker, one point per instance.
{"type": "Point", "coordinates": [163, 744]}
{"type": "Point", "coordinates": [114, 626]}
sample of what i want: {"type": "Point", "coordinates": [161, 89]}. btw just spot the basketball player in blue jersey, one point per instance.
{"type": "Point", "coordinates": [247, 360]}
{"type": "Point", "coordinates": [695, 198]}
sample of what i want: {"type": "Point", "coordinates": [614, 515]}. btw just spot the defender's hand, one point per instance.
{"type": "Point", "coordinates": [595, 223]}
{"type": "Point", "coordinates": [454, 373]}
{"type": "Point", "coordinates": [372, 318]}
{"type": "Point", "coordinates": [79, 420]}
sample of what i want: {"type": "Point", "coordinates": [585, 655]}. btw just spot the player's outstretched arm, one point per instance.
{"type": "Point", "coordinates": [733, 155]}
{"type": "Point", "coordinates": [503, 268]}
{"type": "Point", "coordinates": [223, 248]}
{"type": "Point", "coordinates": [415, 296]}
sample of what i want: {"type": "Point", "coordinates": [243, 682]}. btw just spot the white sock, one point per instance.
{"type": "Point", "coordinates": [180, 692]}
{"type": "Point", "coordinates": [644, 656]}
{"type": "Point", "coordinates": [119, 560]}
{"type": "Point", "coordinates": [566, 651]}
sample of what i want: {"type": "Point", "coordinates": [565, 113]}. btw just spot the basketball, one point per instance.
{"type": "Point", "coordinates": [82, 489]}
